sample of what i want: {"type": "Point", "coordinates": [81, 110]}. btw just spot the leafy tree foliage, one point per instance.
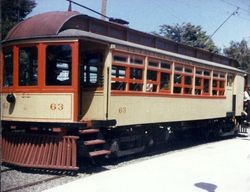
{"type": "Point", "coordinates": [14, 11]}
{"type": "Point", "coordinates": [239, 51]}
{"type": "Point", "coordinates": [188, 34]}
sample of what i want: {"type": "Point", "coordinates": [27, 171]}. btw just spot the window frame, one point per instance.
{"type": "Point", "coordinates": [16, 68]}
{"type": "Point", "coordinates": [168, 71]}
{"type": "Point", "coordinates": [128, 65]}
{"type": "Point", "coordinates": [198, 89]}
{"type": "Point", "coordinates": [190, 73]}
{"type": "Point", "coordinates": [41, 54]}
{"type": "Point", "coordinates": [99, 84]}
{"type": "Point", "coordinates": [218, 90]}
{"type": "Point", "coordinates": [153, 86]}
{"type": "Point", "coordinates": [11, 49]}
{"type": "Point", "coordinates": [37, 67]}
{"type": "Point", "coordinates": [45, 65]}
{"type": "Point", "coordinates": [183, 73]}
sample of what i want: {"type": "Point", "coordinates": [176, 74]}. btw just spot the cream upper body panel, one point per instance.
{"type": "Point", "coordinates": [38, 107]}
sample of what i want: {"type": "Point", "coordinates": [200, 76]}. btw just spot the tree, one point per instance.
{"type": "Point", "coordinates": [14, 11]}
{"type": "Point", "coordinates": [188, 34]}
{"type": "Point", "coordinates": [239, 51]}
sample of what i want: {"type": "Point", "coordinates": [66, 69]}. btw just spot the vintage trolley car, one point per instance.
{"type": "Point", "coordinates": [76, 87]}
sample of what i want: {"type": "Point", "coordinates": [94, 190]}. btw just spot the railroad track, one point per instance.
{"type": "Point", "coordinates": [33, 183]}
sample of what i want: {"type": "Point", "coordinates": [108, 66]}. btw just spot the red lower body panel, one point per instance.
{"type": "Point", "coordinates": [40, 151]}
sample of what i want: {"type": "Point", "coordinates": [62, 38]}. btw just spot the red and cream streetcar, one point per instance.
{"type": "Point", "coordinates": [74, 86]}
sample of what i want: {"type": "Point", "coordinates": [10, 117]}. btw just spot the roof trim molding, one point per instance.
{"type": "Point", "coordinates": [85, 34]}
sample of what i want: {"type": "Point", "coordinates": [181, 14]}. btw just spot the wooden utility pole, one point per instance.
{"type": "Point", "coordinates": [104, 8]}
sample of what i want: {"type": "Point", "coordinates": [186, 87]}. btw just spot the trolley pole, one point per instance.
{"type": "Point", "coordinates": [104, 9]}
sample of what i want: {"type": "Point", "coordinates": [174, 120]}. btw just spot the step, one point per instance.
{"type": "Point", "coordinates": [89, 131]}
{"type": "Point", "coordinates": [99, 153]}
{"type": "Point", "coordinates": [94, 142]}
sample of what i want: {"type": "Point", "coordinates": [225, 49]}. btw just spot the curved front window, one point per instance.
{"type": "Point", "coordinates": [37, 66]}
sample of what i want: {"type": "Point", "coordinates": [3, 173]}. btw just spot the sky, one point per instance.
{"type": "Point", "coordinates": [148, 15]}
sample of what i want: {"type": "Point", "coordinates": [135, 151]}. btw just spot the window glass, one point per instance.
{"type": "Point", "coordinates": [153, 64]}
{"type": "Point", "coordinates": [197, 81]}
{"type": "Point", "coordinates": [165, 81]}
{"type": "Point", "coordinates": [120, 73]}
{"type": "Point", "coordinates": [118, 86]}
{"type": "Point", "coordinates": [135, 60]}
{"type": "Point", "coordinates": [207, 73]}
{"type": "Point", "coordinates": [188, 80]}
{"type": "Point", "coordinates": [178, 68]}
{"type": "Point", "coordinates": [165, 65]}
{"type": "Point", "coordinates": [8, 67]}
{"type": "Point", "coordinates": [152, 75]}
{"type": "Point", "coordinates": [198, 72]}
{"type": "Point", "coordinates": [197, 92]}
{"type": "Point", "coordinates": [92, 70]}
{"type": "Point", "coordinates": [177, 89]}
{"type": "Point", "coordinates": [215, 75]}
{"type": "Point", "coordinates": [188, 70]}
{"type": "Point", "coordinates": [135, 86]}
{"type": "Point", "coordinates": [187, 90]}
{"type": "Point", "coordinates": [126, 77]}
{"type": "Point", "coordinates": [215, 83]}
{"type": "Point", "coordinates": [230, 79]}
{"type": "Point", "coordinates": [222, 92]}
{"type": "Point", "coordinates": [135, 73]}
{"type": "Point", "coordinates": [58, 65]}
{"type": "Point", "coordinates": [27, 66]}
{"type": "Point", "coordinates": [214, 92]}
{"type": "Point", "coordinates": [120, 58]}
{"type": "Point", "coordinates": [222, 75]}
{"type": "Point", "coordinates": [177, 78]}
{"type": "Point", "coordinates": [151, 87]}
{"type": "Point", "coordinates": [177, 83]}
{"type": "Point", "coordinates": [222, 84]}
{"type": "Point", "coordinates": [206, 86]}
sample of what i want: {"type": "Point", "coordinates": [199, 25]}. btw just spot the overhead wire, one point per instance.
{"type": "Point", "coordinates": [246, 19]}
{"type": "Point", "coordinates": [232, 4]}
{"type": "Point", "coordinates": [239, 15]}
